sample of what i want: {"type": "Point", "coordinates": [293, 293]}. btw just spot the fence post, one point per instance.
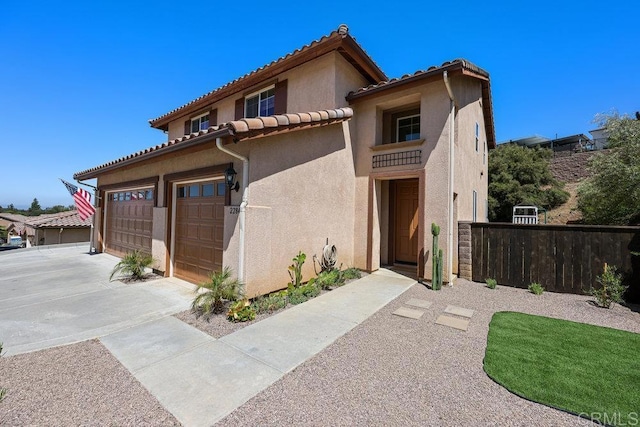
{"type": "Point", "coordinates": [465, 253]}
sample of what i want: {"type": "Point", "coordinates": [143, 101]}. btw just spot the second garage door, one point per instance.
{"type": "Point", "coordinates": [199, 229]}
{"type": "Point", "coordinates": [129, 222]}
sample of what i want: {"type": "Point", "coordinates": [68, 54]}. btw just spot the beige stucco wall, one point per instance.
{"type": "Point", "coordinates": [301, 193]}
{"type": "Point", "coordinates": [158, 238]}
{"type": "Point", "coordinates": [470, 173]}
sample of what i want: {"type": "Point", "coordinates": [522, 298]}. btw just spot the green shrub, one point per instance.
{"type": "Point", "coordinates": [335, 278]}
{"type": "Point", "coordinates": [611, 288]}
{"type": "Point", "coordinates": [303, 293]}
{"type": "Point", "coordinates": [214, 292]}
{"type": "Point", "coordinates": [536, 288]}
{"type": "Point", "coordinates": [269, 303]}
{"type": "Point", "coordinates": [241, 311]}
{"type": "Point", "coordinates": [351, 273]}
{"type": "Point", "coordinates": [295, 269]}
{"type": "Point", "coordinates": [328, 279]}
{"type": "Point", "coordinates": [133, 264]}
{"type": "Point", "coordinates": [491, 283]}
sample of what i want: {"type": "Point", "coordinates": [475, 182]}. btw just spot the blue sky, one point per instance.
{"type": "Point", "coordinates": [79, 80]}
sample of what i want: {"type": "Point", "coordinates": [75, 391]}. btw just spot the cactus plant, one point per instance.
{"type": "Point", "coordinates": [436, 257]}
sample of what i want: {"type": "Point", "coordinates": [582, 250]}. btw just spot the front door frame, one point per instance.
{"type": "Point", "coordinates": [374, 252]}
{"type": "Point", "coordinates": [393, 218]}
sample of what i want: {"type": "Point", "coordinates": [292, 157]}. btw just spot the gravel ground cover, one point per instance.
{"type": "Point", "coordinates": [78, 384]}
{"type": "Point", "coordinates": [392, 371]}
{"type": "Point", "coordinates": [387, 371]}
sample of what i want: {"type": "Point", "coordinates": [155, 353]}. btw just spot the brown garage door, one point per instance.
{"type": "Point", "coordinates": [199, 229]}
{"type": "Point", "coordinates": [129, 221]}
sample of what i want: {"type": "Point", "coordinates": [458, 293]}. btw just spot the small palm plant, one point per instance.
{"type": "Point", "coordinates": [213, 293]}
{"type": "Point", "coordinates": [133, 264]}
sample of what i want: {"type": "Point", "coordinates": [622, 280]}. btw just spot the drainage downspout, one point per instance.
{"type": "Point", "coordinates": [452, 115]}
{"type": "Point", "coordinates": [243, 205]}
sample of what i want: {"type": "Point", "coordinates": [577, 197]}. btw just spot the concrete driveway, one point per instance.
{"type": "Point", "coordinates": [61, 295]}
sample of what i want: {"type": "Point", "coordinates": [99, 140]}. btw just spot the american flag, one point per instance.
{"type": "Point", "coordinates": [82, 198]}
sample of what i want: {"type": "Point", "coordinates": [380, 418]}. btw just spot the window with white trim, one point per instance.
{"type": "Point", "coordinates": [260, 104]}
{"type": "Point", "coordinates": [408, 128]}
{"type": "Point", "coordinates": [484, 153]}
{"type": "Point", "coordinates": [200, 123]}
{"type": "Point", "coordinates": [477, 135]}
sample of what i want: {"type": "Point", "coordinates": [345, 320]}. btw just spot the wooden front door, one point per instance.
{"type": "Point", "coordinates": [406, 221]}
{"type": "Point", "coordinates": [199, 229]}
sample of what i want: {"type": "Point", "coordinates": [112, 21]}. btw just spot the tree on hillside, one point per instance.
{"type": "Point", "coordinates": [611, 196]}
{"type": "Point", "coordinates": [520, 175]}
{"type": "Point", "coordinates": [35, 209]}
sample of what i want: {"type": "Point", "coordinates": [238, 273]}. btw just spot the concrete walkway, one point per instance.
{"type": "Point", "coordinates": [52, 296]}
{"type": "Point", "coordinates": [200, 380]}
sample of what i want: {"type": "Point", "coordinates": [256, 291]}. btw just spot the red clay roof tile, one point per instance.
{"type": "Point", "coordinates": [239, 129]}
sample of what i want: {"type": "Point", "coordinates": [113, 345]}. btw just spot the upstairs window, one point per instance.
{"type": "Point", "coordinates": [267, 101]}
{"type": "Point", "coordinates": [408, 128]}
{"type": "Point", "coordinates": [200, 123]}
{"type": "Point", "coordinates": [477, 135]}
{"type": "Point", "coordinates": [260, 104]}
{"type": "Point", "coordinates": [401, 124]}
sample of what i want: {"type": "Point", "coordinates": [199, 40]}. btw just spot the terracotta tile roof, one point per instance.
{"type": "Point", "coordinates": [238, 129]}
{"type": "Point", "coordinates": [13, 217]}
{"type": "Point", "coordinates": [67, 219]}
{"type": "Point", "coordinates": [339, 35]}
{"type": "Point", "coordinates": [456, 66]}
{"type": "Point", "coordinates": [420, 74]}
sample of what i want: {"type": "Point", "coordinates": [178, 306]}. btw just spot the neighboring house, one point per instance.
{"type": "Point", "coordinates": [565, 145]}
{"type": "Point", "coordinates": [600, 138]}
{"type": "Point", "coordinates": [325, 147]}
{"type": "Point", "coordinates": [53, 229]}
{"type": "Point", "coordinates": [13, 223]}
{"type": "Point", "coordinates": [48, 229]}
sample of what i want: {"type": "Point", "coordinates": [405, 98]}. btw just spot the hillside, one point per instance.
{"type": "Point", "coordinates": [570, 170]}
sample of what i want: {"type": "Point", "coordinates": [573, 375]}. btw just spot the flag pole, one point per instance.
{"type": "Point", "coordinates": [84, 206]}
{"type": "Point", "coordinates": [92, 250]}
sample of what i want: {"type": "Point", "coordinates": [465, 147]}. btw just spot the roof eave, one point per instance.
{"type": "Point", "coordinates": [344, 44]}
{"type": "Point", "coordinates": [93, 173]}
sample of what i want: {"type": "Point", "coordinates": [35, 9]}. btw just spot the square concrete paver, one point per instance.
{"type": "Point", "coordinates": [408, 312]}
{"type": "Point", "coordinates": [453, 322]}
{"type": "Point", "coordinates": [459, 311]}
{"type": "Point", "coordinates": [420, 303]}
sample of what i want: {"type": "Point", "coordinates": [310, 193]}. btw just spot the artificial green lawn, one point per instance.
{"type": "Point", "coordinates": [584, 369]}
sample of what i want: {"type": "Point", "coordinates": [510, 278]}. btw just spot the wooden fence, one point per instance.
{"type": "Point", "coordinates": [562, 258]}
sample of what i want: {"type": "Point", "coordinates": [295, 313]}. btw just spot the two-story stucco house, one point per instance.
{"type": "Point", "coordinates": [324, 146]}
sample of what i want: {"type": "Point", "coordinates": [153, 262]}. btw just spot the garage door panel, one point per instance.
{"type": "Point", "coordinates": [199, 231]}
{"type": "Point", "coordinates": [206, 232]}
{"type": "Point", "coordinates": [219, 213]}
{"type": "Point", "coordinates": [219, 235]}
{"type": "Point", "coordinates": [129, 223]}
{"type": "Point", "coordinates": [206, 212]}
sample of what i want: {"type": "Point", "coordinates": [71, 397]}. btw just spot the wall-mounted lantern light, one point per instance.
{"type": "Point", "coordinates": [230, 178]}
